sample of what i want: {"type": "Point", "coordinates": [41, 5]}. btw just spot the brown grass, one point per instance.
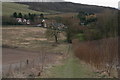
{"type": "Point", "coordinates": [62, 15]}
{"type": "Point", "coordinates": [101, 54]}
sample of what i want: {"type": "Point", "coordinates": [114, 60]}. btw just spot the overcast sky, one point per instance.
{"type": "Point", "coordinates": [110, 3]}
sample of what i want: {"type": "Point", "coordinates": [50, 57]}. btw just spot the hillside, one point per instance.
{"type": "Point", "coordinates": [65, 7]}
{"type": "Point", "coordinates": [9, 8]}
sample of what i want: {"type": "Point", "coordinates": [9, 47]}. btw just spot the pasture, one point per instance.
{"type": "Point", "coordinates": [9, 8]}
{"type": "Point", "coordinates": [24, 42]}
{"type": "Point", "coordinates": [30, 38]}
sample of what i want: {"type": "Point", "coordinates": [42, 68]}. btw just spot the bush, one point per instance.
{"type": "Point", "coordinates": [80, 36]}
{"type": "Point", "coordinates": [9, 21]}
{"type": "Point", "coordinates": [102, 54]}
{"type": "Point", "coordinates": [107, 24]}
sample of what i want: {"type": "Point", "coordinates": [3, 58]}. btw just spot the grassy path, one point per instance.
{"type": "Point", "coordinates": [71, 68]}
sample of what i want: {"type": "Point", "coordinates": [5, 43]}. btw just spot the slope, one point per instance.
{"type": "Point", "coordinates": [8, 8]}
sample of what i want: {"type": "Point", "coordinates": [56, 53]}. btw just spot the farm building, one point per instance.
{"type": "Point", "coordinates": [24, 21]}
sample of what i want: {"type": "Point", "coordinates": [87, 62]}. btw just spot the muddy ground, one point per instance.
{"type": "Point", "coordinates": [14, 57]}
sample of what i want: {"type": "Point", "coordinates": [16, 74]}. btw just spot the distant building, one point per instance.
{"type": "Point", "coordinates": [58, 26]}
{"type": "Point", "coordinates": [28, 22]}
{"type": "Point", "coordinates": [24, 21]}
{"type": "Point", "coordinates": [19, 20]}
{"type": "Point", "coordinates": [43, 23]}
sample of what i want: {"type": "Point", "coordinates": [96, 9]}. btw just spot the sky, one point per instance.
{"type": "Point", "coordinates": [109, 3]}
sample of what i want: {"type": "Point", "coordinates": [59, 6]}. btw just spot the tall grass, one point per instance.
{"type": "Point", "coordinates": [101, 54]}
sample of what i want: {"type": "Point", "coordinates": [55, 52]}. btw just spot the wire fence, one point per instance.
{"type": "Point", "coordinates": [33, 67]}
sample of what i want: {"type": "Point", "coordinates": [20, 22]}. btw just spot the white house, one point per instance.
{"type": "Point", "coordinates": [43, 20]}
{"type": "Point", "coordinates": [28, 22]}
{"type": "Point", "coordinates": [24, 20]}
{"type": "Point", "coordinates": [19, 20]}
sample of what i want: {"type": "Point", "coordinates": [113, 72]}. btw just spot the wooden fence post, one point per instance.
{"type": "Point", "coordinates": [118, 67]}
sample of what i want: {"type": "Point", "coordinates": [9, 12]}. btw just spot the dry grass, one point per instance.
{"type": "Point", "coordinates": [62, 15]}
{"type": "Point", "coordinates": [27, 37]}
{"type": "Point", "coordinates": [101, 54]}
{"type": "Point", "coordinates": [20, 36]}
{"type": "Point", "coordinates": [33, 39]}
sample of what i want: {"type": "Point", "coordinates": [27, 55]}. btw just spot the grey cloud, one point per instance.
{"type": "Point", "coordinates": [119, 5]}
{"type": "Point", "coordinates": [32, 0]}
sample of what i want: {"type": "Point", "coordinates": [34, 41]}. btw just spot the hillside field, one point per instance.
{"type": "Point", "coordinates": [8, 8]}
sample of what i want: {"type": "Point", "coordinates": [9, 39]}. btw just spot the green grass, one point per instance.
{"type": "Point", "coordinates": [80, 36]}
{"type": "Point", "coordinates": [8, 8]}
{"type": "Point", "coordinates": [71, 68]}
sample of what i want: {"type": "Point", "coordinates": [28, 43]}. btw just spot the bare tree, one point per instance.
{"type": "Point", "coordinates": [53, 31]}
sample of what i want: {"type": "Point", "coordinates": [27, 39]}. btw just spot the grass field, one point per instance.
{"type": "Point", "coordinates": [8, 8]}
{"type": "Point", "coordinates": [72, 67]}
{"type": "Point", "coordinates": [62, 15]}
{"type": "Point", "coordinates": [31, 39]}
{"type": "Point", "coordinates": [34, 39]}
{"type": "Point", "coordinates": [27, 37]}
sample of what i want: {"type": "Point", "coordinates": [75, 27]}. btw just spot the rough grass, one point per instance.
{"type": "Point", "coordinates": [31, 38]}
{"type": "Point", "coordinates": [62, 15]}
{"type": "Point", "coordinates": [8, 8]}
{"type": "Point", "coordinates": [102, 54]}
{"type": "Point", "coordinates": [71, 68]}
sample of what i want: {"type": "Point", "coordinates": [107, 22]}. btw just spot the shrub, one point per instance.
{"type": "Point", "coordinates": [9, 21]}
{"type": "Point", "coordinates": [102, 54]}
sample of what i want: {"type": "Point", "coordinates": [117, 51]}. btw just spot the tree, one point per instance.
{"type": "Point", "coordinates": [25, 16]}
{"type": "Point", "coordinates": [107, 24]}
{"type": "Point", "coordinates": [15, 15]}
{"type": "Point", "coordinates": [53, 31]}
{"type": "Point", "coordinates": [82, 17]}
{"type": "Point", "coordinates": [86, 18]}
{"type": "Point", "coordinates": [6, 20]}
{"type": "Point", "coordinates": [41, 16]}
{"type": "Point", "coordinates": [29, 14]}
{"type": "Point", "coordinates": [20, 15]}
{"type": "Point", "coordinates": [72, 27]}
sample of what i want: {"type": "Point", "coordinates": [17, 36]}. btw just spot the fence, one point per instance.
{"type": "Point", "coordinates": [33, 67]}
{"type": "Point", "coordinates": [102, 54]}
{"type": "Point", "coordinates": [24, 68]}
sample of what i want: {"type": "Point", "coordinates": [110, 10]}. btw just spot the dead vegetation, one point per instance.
{"type": "Point", "coordinates": [31, 39]}
{"type": "Point", "coordinates": [102, 54]}
{"type": "Point", "coordinates": [27, 38]}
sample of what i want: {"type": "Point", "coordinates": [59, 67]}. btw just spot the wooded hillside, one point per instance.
{"type": "Point", "coordinates": [64, 7]}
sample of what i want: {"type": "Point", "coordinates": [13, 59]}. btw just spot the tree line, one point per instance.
{"type": "Point", "coordinates": [99, 26]}
{"type": "Point", "coordinates": [90, 26]}
{"type": "Point", "coordinates": [29, 16]}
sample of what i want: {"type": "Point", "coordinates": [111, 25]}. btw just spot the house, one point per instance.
{"type": "Point", "coordinates": [58, 26]}
{"type": "Point", "coordinates": [43, 23]}
{"type": "Point", "coordinates": [28, 22]}
{"type": "Point", "coordinates": [24, 21]}
{"type": "Point", "coordinates": [19, 20]}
